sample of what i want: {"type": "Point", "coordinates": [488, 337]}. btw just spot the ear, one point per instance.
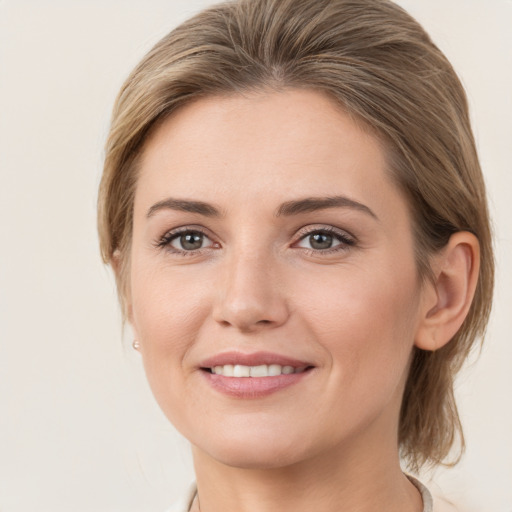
{"type": "Point", "coordinates": [115, 263]}
{"type": "Point", "coordinates": [446, 300]}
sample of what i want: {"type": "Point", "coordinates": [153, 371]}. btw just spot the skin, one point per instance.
{"type": "Point", "coordinates": [353, 312]}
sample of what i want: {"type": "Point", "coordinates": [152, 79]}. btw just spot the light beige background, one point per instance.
{"type": "Point", "coordinates": [79, 430]}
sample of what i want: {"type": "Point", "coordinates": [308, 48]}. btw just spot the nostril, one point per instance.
{"type": "Point", "coordinates": [248, 312]}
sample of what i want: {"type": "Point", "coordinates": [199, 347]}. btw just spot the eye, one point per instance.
{"type": "Point", "coordinates": [189, 241]}
{"type": "Point", "coordinates": [325, 240]}
{"type": "Point", "coordinates": [319, 241]}
{"type": "Point", "coordinates": [186, 241]}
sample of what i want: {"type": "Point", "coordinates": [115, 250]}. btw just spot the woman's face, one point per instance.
{"type": "Point", "coordinates": [268, 240]}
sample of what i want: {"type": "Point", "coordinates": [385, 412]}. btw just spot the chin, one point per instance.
{"type": "Point", "coordinates": [255, 452]}
{"type": "Point", "coordinates": [257, 458]}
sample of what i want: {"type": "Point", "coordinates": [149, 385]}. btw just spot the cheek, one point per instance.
{"type": "Point", "coordinates": [167, 315]}
{"type": "Point", "coordinates": [366, 322]}
{"type": "Point", "coordinates": [165, 307]}
{"type": "Point", "coordinates": [166, 321]}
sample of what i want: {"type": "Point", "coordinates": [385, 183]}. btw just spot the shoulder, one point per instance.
{"type": "Point", "coordinates": [184, 502]}
{"type": "Point", "coordinates": [432, 502]}
{"type": "Point", "coordinates": [442, 505]}
{"type": "Point", "coordinates": [437, 503]}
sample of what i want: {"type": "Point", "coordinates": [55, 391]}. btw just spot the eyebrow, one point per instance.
{"type": "Point", "coordinates": [311, 204]}
{"type": "Point", "coordinates": [289, 208]}
{"type": "Point", "coordinates": [184, 205]}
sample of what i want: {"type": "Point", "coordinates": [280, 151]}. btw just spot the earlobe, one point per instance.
{"type": "Point", "coordinates": [115, 263]}
{"type": "Point", "coordinates": [446, 300]}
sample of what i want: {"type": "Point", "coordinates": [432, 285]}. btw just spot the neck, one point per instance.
{"type": "Point", "coordinates": [363, 476]}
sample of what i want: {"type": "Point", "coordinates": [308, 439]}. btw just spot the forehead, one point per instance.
{"type": "Point", "coordinates": [262, 147]}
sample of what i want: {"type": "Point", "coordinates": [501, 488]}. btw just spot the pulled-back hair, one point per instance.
{"type": "Point", "coordinates": [383, 69]}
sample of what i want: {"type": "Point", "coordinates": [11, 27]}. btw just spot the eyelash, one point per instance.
{"type": "Point", "coordinates": [166, 240]}
{"type": "Point", "coordinates": [346, 240]}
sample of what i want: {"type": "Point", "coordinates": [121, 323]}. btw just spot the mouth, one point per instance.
{"type": "Point", "coordinates": [254, 375]}
{"type": "Point", "coordinates": [259, 371]}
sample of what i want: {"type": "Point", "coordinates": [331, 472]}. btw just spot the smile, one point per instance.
{"type": "Point", "coordinates": [254, 375]}
{"type": "Point", "coordinates": [262, 370]}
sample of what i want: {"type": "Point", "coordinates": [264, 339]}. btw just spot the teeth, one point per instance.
{"type": "Point", "coordinates": [259, 371]}
{"type": "Point", "coordinates": [227, 370]}
{"type": "Point", "coordinates": [241, 371]}
{"type": "Point", "coordinates": [263, 370]}
{"type": "Point", "coordinates": [274, 369]}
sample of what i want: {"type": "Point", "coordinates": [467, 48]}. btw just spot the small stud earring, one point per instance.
{"type": "Point", "coordinates": [136, 345]}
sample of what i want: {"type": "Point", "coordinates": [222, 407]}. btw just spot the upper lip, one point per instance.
{"type": "Point", "coordinates": [254, 359]}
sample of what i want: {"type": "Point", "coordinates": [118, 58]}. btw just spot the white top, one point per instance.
{"type": "Point", "coordinates": [430, 504]}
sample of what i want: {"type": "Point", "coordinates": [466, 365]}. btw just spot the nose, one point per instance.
{"type": "Point", "coordinates": [251, 295]}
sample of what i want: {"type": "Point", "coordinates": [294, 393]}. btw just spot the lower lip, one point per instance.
{"type": "Point", "coordinates": [253, 387]}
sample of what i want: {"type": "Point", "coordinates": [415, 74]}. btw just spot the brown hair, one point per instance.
{"type": "Point", "coordinates": [382, 68]}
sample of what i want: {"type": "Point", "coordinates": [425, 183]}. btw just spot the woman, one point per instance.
{"type": "Point", "coordinates": [294, 210]}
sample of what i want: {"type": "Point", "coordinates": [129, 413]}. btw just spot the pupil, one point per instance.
{"type": "Point", "coordinates": [191, 241]}
{"type": "Point", "coordinates": [320, 241]}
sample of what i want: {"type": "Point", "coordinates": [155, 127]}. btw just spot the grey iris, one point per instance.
{"type": "Point", "coordinates": [191, 241]}
{"type": "Point", "coordinates": [320, 241]}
